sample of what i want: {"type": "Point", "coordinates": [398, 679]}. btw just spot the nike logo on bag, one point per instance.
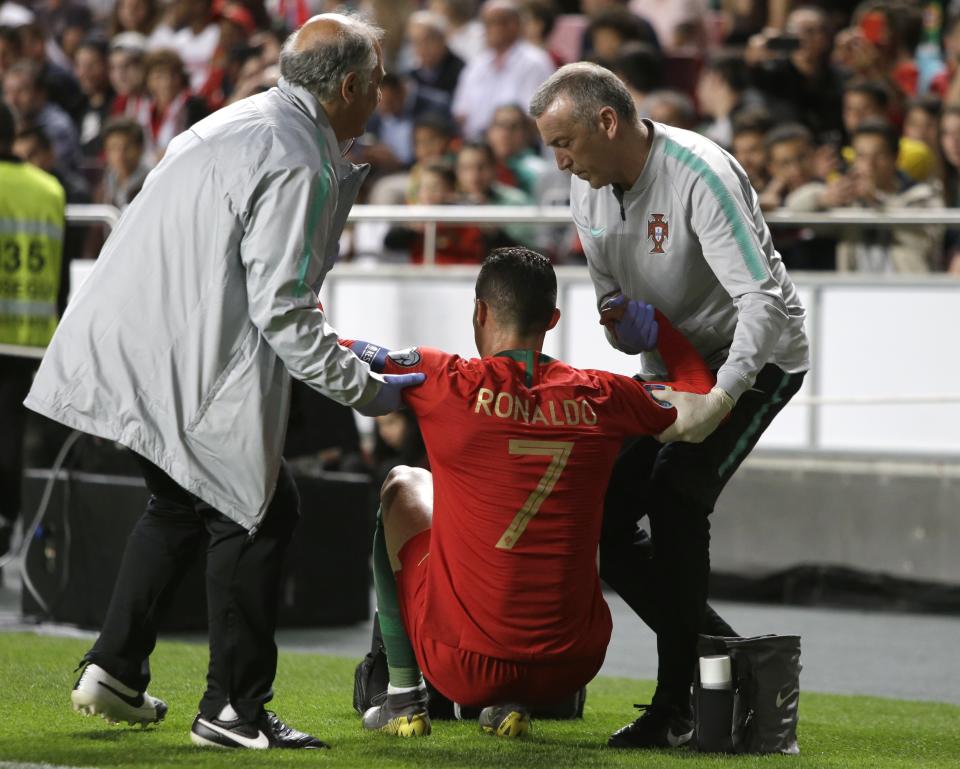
{"type": "Point", "coordinates": [133, 702]}
{"type": "Point", "coordinates": [676, 740]}
{"type": "Point", "coordinates": [597, 231]}
{"type": "Point", "coordinates": [260, 741]}
{"type": "Point", "coordinates": [781, 700]}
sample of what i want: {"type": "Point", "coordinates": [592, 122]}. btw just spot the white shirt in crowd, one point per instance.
{"type": "Point", "coordinates": [468, 41]}
{"type": "Point", "coordinates": [196, 50]}
{"type": "Point", "coordinates": [491, 81]}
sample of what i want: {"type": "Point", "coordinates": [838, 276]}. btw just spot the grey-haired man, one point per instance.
{"type": "Point", "coordinates": [181, 345]}
{"type": "Point", "coordinates": [667, 217]}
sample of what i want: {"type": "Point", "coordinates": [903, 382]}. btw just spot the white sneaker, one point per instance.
{"type": "Point", "coordinates": [99, 693]}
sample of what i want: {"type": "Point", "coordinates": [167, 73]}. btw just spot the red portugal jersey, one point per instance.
{"type": "Point", "coordinates": [521, 447]}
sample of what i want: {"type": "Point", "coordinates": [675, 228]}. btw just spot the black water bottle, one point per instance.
{"type": "Point", "coordinates": [713, 706]}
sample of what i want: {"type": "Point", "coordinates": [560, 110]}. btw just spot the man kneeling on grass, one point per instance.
{"type": "Point", "coordinates": [485, 571]}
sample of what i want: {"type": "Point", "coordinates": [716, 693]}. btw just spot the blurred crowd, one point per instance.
{"type": "Point", "coordinates": [825, 105]}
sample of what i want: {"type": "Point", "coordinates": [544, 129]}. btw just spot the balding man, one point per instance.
{"type": "Point", "coordinates": [508, 71]}
{"type": "Point", "coordinates": [181, 346]}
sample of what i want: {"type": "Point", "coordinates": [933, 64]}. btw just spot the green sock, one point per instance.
{"type": "Point", "coordinates": [401, 661]}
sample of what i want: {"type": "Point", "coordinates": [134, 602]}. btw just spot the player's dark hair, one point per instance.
{"type": "Point", "coordinates": [521, 287]}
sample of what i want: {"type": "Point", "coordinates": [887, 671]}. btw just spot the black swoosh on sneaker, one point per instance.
{"type": "Point", "coordinates": [133, 702]}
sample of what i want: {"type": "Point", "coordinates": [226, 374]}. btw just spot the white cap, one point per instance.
{"type": "Point", "coordinates": [715, 672]}
{"type": "Point", "coordinates": [129, 41]}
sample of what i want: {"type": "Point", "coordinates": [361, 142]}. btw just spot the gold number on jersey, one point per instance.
{"type": "Point", "coordinates": [559, 453]}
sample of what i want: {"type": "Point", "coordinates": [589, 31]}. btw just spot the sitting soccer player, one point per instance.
{"type": "Point", "coordinates": [486, 571]}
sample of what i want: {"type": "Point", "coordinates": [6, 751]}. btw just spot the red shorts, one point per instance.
{"type": "Point", "coordinates": [467, 677]}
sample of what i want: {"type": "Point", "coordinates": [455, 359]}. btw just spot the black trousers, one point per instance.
{"type": "Point", "coordinates": [677, 486]}
{"type": "Point", "coordinates": [242, 581]}
{"type": "Point", "coordinates": [16, 376]}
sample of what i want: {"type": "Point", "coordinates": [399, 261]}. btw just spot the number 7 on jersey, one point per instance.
{"type": "Point", "coordinates": [559, 453]}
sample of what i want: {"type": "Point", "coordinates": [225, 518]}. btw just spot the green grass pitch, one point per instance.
{"type": "Point", "coordinates": [313, 692]}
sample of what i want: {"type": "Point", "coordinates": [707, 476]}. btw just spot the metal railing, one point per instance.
{"type": "Point", "coordinates": [431, 216]}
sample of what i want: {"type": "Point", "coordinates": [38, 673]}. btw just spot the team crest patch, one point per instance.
{"type": "Point", "coordinates": [658, 231]}
{"type": "Point", "coordinates": [406, 358]}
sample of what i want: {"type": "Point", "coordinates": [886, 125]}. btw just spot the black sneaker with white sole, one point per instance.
{"type": "Point", "coordinates": [97, 693]}
{"type": "Point", "coordinates": [660, 726]}
{"type": "Point", "coordinates": [268, 731]}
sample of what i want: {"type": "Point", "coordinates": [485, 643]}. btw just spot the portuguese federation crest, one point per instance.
{"type": "Point", "coordinates": [658, 231]}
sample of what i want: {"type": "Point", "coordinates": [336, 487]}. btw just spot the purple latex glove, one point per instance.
{"type": "Point", "coordinates": [632, 323]}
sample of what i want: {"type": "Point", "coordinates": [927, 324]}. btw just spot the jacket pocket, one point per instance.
{"type": "Point", "coordinates": [236, 358]}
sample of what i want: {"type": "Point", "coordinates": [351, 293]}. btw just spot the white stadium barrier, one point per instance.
{"type": "Point", "coordinates": [886, 373]}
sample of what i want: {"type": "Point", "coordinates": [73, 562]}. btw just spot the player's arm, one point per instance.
{"type": "Point", "coordinates": [412, 360]}
{"type": "Point", "coordinates": [686, 369]}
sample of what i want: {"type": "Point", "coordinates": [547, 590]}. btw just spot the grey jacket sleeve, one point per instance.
{"type": "Point", "coordinates": [284, 242]}
{"type": "Point", "coordinates": [732, 234]}
{"type": "Point", "coordinates": [603, 282]}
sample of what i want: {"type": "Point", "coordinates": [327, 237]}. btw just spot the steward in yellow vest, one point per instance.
{"type": "Point", "coordinates": [32, 211]}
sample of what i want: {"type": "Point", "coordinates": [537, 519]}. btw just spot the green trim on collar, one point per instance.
{"type": "Point", "coordinates": [526, 358]}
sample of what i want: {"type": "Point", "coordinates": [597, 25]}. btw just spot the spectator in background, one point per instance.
{"type": "Point", "coordinates": [594, 8]}
{"type": "Point", "coordinates": [507, 72]}
{"type": "Point", "coordinates": [91, 69]}
{"type": "Point", "coordinates": [874, 182]}
{"type": "Point", "coordinates": [170, 108]}
{"type": "Point", "coordinates": [437, 70]}
{"type": "Point", "coordinates": [125, 162]}
{"type": "Point", "coordinates": [477, 183]}
{"type": "Point", "coordinates": [673, 108]}
{"type": "Point", "coordinates": [677, 23]}
{"type": "Point", "coordinates": [921, 123]}
{"type": "Point", "coordinates": [611, 29]}
{"type": "Point", "coordinates": [510, 136]}
{"type": "Point", "coordinates": [433, 136]}
{"type": "Point", "coordinates": [58, 83]}
{"type": "Point", "coordinates": [134, 16]}
{"type": "Point", "coordinates": [640, 67]}
{"type": "Point", "coordinates": [538, 18]}
{"type": "Point", "coordinates": [790, 151]}
{"type": "Point", "coordinates": [24, 92]}
{"type": "Point", "coordinates": [801, 85]}
{"type": "Point", "coordinates": [388, 142]}
{"type": "Point", "coordinates": [127, 73]}
{"type": "Point", "coordinates": [236, 26]}
{"type": "Point", "coordinates": [945, 83]}
{"type": "Point", "coordinates": [33, 146]}
{"type": "Point", "coordinates": [749, 145]}
{"type": "Point", "coordinates": [721, 94]}
{"type": "Point", "coordinates": [465, 34]}
{"type": "Point", "coordinates": [950, 149]}
{"type": "Point", "coordinates": [870, 101]}
{"type": "Point", "coordinates": [455, 244]}
{"type": "Point", "coordinates": [9, 48]}
{"type": "Point", "coordinates": [71, 28]}
{"type": "Point", "coordinates": [190, 30]}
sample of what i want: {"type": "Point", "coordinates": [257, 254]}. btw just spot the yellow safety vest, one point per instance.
{"type": "Point", "coordinates": [32, 213]}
